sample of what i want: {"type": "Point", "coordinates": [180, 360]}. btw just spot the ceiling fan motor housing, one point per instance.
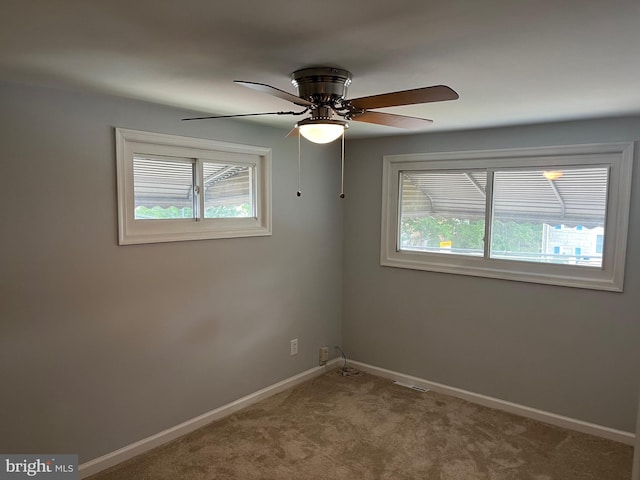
{"type": "Point", "coordinates": [322, 85]}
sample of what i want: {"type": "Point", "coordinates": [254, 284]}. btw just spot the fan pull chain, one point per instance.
{"type": "Point", "coordinates": [342, 171]}
{"type": "Point", "coordinates": [298, 193]}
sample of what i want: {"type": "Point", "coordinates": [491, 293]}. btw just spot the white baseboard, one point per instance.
{"type": "Point", "coordinates": [533, 413]}
{"type": "Point", "coordinates": [125, 453]}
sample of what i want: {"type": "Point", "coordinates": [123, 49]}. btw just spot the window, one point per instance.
{"type": "Point", "coordinates": [555, 215]}
{"type": "Point", "coordinates": [174, 188]}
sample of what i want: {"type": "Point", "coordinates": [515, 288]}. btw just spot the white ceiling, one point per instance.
{"type": "Point", "coordinates": [511, 61]}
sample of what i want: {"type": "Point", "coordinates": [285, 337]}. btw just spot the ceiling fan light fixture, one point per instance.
{"type": "Point", "coordinates": [321, 131]}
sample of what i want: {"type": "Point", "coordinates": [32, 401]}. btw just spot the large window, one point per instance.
{"type": "Point", "coordinates": [177, 188]}
{"type": "Point", "coordinates": [554, 215]}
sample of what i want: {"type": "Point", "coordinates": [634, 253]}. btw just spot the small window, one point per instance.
{"type": "Point", "coordinates": [547, 215]}
{"type": "Point", "coordinates": [178, 188]}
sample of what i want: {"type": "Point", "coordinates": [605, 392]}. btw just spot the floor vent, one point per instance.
{"type": "Point", "coordinates": [412, 387]}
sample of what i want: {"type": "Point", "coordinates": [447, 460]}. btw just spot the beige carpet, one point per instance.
{"type": "Point", "coordinates": [365, 427]}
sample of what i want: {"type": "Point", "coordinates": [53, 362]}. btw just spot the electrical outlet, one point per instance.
{"type": "Point", "coordinates": [294, 347]}
{"type": "Point", "coordinates": [324, 355]}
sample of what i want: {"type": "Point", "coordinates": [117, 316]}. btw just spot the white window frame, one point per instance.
{"type": "Point", "coordinates": [130, 143]}
{"type": "Point", "coordinates": [617, 156]}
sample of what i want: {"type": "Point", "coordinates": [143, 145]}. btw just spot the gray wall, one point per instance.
{"type": "Point", "coordinates": [570, 351]}
{"type": "Point", "coordinates": [102, 345]}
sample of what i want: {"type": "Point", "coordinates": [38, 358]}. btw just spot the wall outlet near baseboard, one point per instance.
{"type": "Point", "coordinates": [294, 347]}
{"type": "Point", "coordinates": [324, 355]}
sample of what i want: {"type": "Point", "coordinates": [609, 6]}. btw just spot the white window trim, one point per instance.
{"type": "Point", "coordinates": [132, 231]}
{"type": "Point", "coordinates": [618, 156]}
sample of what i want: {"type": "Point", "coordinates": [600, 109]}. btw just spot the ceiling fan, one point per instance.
{"type": "Point", "coordinates": [322, 92]}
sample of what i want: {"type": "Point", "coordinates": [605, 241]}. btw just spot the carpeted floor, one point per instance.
{"type": "Point", "coordinates": [365, 427]}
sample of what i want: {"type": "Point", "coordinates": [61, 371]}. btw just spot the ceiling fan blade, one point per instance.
{"type": "Point", "coordinates": [392, 120]}
{"type": "Point", "coordinates": [246, 115]}
{"type": "Point", "coordinates": [292, 133]}
{"type": "Point", "coordinates": [437, 93]}
{"type": "Point", "coordinates": [276, 92]}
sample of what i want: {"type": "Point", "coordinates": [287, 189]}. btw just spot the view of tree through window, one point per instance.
{"type": "Point", "coordinates": [221, 211]}
{"type": "Point", "coordinates": [516, 237]}
{"type": "Point", "coordinates": [441, 234]}
{"type": "Point", "coordinates": [466, 236]}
